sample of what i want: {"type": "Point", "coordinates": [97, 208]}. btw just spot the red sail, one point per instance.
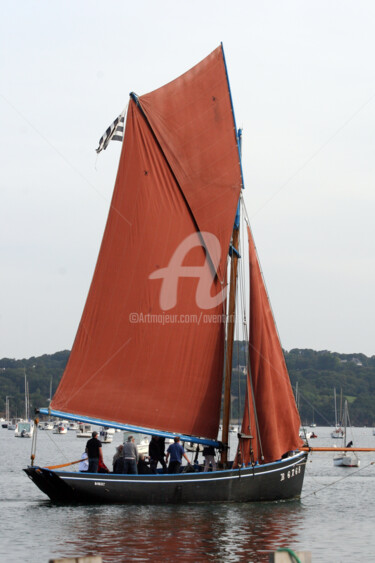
{"type": "Point", "coordinates": [277, 414]}
{"type": "Point", "coordinates": [187, 117]}
{"type": "Point", "coordinates": [149, 348]}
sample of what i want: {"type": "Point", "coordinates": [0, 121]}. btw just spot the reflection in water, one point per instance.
{"type": "Point", "coordinates": [190, 533]}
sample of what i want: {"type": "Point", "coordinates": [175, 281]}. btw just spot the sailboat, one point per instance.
{"type": "Point", "coordinates": [25, 428]}
{"type": "Point", "coordinates": [4, 423]}
{"type": "Point", "coordinates": [155, 341]}
{"type": "Point", "coordinates": [338, 432]}
{"type": "Point", "coordinates": [346, 458]}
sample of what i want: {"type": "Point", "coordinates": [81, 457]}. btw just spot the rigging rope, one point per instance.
{"type": "Point", "coordinates": [338, 480]}
{"type": "Point", "coordinates": [55, 444]}
{"type": "Point", "coordinates": [245, 222]}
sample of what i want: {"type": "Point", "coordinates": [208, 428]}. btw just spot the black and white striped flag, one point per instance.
{"type": "Point", "coordinates": [115, 132]}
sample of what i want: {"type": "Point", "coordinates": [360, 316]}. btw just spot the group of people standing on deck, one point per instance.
{"type": "Point", "coordinates": [127, 459]}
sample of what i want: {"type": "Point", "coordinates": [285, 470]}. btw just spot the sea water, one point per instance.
{"type": "Point", "coordinates": [334, 519]}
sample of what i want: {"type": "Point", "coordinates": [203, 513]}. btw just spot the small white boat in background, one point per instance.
{"type": "Point", "coordinates": [346, 459]}
{"type": "Point", "coordinates": [24, 430]}
{"type": "Point", "coordinates": [73, 426]}
{"type": "Point", "coordinates": [142, 443]}
{"type": "Point", "coordinates": [45, 425]}
{"type": "Point", "coordinates": [5, 421]}
{"type": "Point", "coordinates": [338, 433]}
{"type": "Point", "coordinates": [60, 428]}
{"type": "Point", "coordinates": [105, 436]}
{"type": "Point", "coordinates": [12, 424]}
{"type": "Point", "coordinates": [191, 447]}
{"type": "Point", "coordinates": [304, 434]}
{"type": "Point", "coordinates": [143, 446]}
{"type": "Point", "coordinates": [84, 430]}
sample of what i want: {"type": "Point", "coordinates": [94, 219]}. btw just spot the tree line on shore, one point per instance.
{"type": "Point", "coordinates": [314, 373]}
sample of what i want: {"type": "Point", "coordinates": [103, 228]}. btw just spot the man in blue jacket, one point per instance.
{"type": "Point", "coordinates": [176, 451]}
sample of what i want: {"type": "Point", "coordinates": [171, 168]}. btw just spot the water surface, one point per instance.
{"type": "Point", "coordinates": [334, 519]}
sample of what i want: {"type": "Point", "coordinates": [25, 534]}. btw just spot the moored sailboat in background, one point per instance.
{"type": "Point", "coordinates": [25, 428]}
{"type": "Point", "coordinates": [60, 427]}
{"type": "Point", "coordinates": [5, 422]}
{"type": "Point", "coordinates": [84, 430]}
{"type": "Point", "coordinates": [338, 432]}
{"type": "Point", "coordinates": [346, 458]}
{"type": "Point", "coordinates": [12, 424]}
{"type": "Point", "coordinates": [45, 425]}
{"type": "Point", "coordinates": [157, 329]}
{"type": "Point", "coordinates": [105, 436]}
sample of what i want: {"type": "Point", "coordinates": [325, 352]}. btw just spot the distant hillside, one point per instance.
{"type": "Point", "coordinates": [40, 372]}
{"type": "Point", "coordinates": [317, 374]}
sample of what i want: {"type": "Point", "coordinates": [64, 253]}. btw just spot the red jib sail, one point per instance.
{"type": "Point", "coordinates": [149, 347]}
{"type": "Point", "coordinates": [276, 410]}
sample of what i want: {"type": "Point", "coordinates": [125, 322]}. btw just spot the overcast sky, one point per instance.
{"type": "Point", "coordinates": [303, 83]}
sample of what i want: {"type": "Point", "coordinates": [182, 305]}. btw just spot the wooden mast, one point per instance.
{"type": "Point", "coordinates": [230, 338]}
{"type": "Point", "coordinates": [230, 325]}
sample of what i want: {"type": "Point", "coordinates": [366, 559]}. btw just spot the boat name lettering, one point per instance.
{"type": "Point", "coordinates": [99, 483]}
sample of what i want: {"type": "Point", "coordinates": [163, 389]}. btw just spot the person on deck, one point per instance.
{"type": "Point", "coordinates": [142, 465]}
{"type": "Point", "coordinates": [102, 467]}
{"type": "Point", "coordinates": [209, 457]}
{"type": "Point", "coordinates": [176, 451]}
{"type": "Point", "coordinates": [118, 460]}
{"type": "Point", "coordinates": [94, 452]}
{"type": "Point", "coordinates": [161, 442]}
{"type": "Point", "coordinates": [131, 456]}
{"type": "Point", "coordinates": [84, 463]}
{"type": "Point", "coordinates": [156, 454]}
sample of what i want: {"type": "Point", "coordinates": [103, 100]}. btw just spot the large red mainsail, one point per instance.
{"type": "Point", "coordinates": [149, 347]}
{"type": "Point", "coordinates": [271, 393]}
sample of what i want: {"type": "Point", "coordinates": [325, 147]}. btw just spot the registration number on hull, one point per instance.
{"type": "Point", "coordinates": [292, 473]}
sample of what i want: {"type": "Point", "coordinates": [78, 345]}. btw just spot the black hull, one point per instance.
{"type": "Point", "coordinates": [273, 481]}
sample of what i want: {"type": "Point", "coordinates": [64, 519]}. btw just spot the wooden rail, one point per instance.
{"type": "Point", "coordinates": [338, 449]}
